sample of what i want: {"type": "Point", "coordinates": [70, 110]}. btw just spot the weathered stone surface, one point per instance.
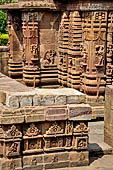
{"type": "Point", "coordinates": [10, 164]}
{"type": "Point", "coordinates": [12, 102]}
{"type": "Point", "coordinates": [56, 113]}
{"type": "Point", "coordinates": [60, 100]}
{"type": "Point", "coordinates": [79, 111]}
{"type": "Point", "coordinates": [108, 127]}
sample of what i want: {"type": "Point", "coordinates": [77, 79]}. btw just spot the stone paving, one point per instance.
{"type": "Point", "coordinates": [96, 137]}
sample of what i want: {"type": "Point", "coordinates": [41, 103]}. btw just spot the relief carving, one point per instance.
{"type": "Point", "coordinates": [69, 127]}
{"type": "Point", "coordinates": [13, 148]}
{"type": "Point", "coordinates": [32, 131]}
{"type": "Point", "coordinates": [54, 129]}
{"type": "Point", "coordinates": [81, 128]}
{"type": "Point", "coordinates": [99, 51]}
{"type": "Point", "coordinates": [49, 58]}
{"type": "Point", "coordinates": [68, 142]}
{"type": "Point", "coordinates": [47, 143]}
{"type": "Point", "coordinates": [32, 145]}
{"type": "Point", "coordinates": [82, 144]}
{"type": "Point", "coordinates": [34, 50]}
{"type": "Point", "coordinates": [34, 161]}
{"type": "Point", "coordinates": [12, 165]}
{"type": "Point", "coordinates": [60, 142]}
{"type": "Point", "coordinates": [13, 132]}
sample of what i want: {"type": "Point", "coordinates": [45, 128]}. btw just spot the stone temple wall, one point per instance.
{"type": "Point", "coordinates": [41, 129]}
{"type": "Point", "coordinates": [108, 116]}
{"type": "Point", "coordinates": [63, 43]}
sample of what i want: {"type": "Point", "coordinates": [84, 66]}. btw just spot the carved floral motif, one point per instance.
{"type": "Point", "coordinates": [32, 131]}
{"type": "Point", "coordinates": [81, 128]}
{"type": "Point", "coordinates": [54, 129]}
{"type": "Point", "coordinates": [13, 132]}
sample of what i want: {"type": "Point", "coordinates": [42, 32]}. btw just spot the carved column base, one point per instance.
{"type": "Point", "coordinates": [94, 85]}
{"type": "Point", "coordinates": [75, 80]}
{"type": "Point", "coordinates": [59, 75]}
{"type": "Point", "coordinates": [49, 76]}
{"type": "Point", "coordinates": [15, 69]}
{"type": "Point", "coordinates": [31, 76]}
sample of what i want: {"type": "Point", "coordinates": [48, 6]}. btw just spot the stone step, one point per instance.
{"type": "Point", "coordinates": [102, 148]}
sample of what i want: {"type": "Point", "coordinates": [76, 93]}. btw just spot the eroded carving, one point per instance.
{"type": "Point", "coordinates": [32, 131]}
{"type": "Point", "coordinates": [49, 58]}
{"type": "Point", "coordinates": [81, 128]}
{"type": "Point", "coordinates": [54, 129]}
{"type": "Point", "coordinates": [13, 132]}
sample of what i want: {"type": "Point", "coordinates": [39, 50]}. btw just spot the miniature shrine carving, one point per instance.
{"type": "Point", "coordinates": [54, 129]}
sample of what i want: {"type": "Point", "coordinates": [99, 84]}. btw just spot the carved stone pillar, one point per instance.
{"type": "Point", "coordinates": [63, 49]}
{"type": "Point", "coordinates": [74, 54]}
{"type": "Point", "coordinates": [15, 65]}
{"type": "Point", "coordinates": [109, 55]}
{"type": "Point", "coordinates": [31, 72]}
{"type": "Point", "coordinates": [94, 44]}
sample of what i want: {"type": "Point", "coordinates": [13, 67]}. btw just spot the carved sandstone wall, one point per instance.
{"type": "Point", "coordinates": [41, 129]}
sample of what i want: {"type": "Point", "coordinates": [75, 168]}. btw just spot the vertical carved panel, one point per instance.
{"type": "Point", "coordinates": [74, 55]}
{"type": "Point", "coordinates": [32, 139]}
{"type": "Point", "coordinates": [15, 65]}
{"type": "Point", "coordinates": [63, 49]}
{"type": "Point", "coordinates": [109, 55]}
{"type": "Point", "coordinates": [94, 45]}
{"type": "Point", "coordinates": [31, 48]}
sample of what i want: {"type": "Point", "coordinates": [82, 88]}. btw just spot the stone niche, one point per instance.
{"type": "Point", "coordinates": [108, 116]}
{"type": "Point", "coordinates": [41, 129]}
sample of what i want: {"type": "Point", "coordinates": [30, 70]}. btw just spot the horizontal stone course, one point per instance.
{"type": "Point", "coordinates": [41, 97]}
{"type": "Point", "coordinates": [45, 113]}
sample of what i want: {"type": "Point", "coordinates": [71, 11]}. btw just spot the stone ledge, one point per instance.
{"type": "Point", "coordinates": [45, 113]}
{"type": "Point", "coordinates": [41, 97]}
{"type": "Point", "coordinates": [96, 149]}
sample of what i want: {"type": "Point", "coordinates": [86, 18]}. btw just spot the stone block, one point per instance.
{"type": "Point", "coordinates": [43, 100]}
{"type": "Point", "coordinates": [73, 99]}
{"type": "Point", "coordinates": [34, 160]}
{"type": "Point", "coordinates": [79, 112]}
{"type": "Point", "coordinates": [97, 111]}
{"type": "Point", "coordinates": [79, 158]}
{"type": "Point", "coordinates": [25, 101]}
{"type": "Point", "coordinates": [2, 97]}
{"type": "Point", "coordinates": [56, 157]}
{"type": "Point", "coordinates": [12, 120]}
{"type": "Point", "coordinates": [56, 113]}
{"type": "Point", "coordinates": [60, 100]}
{"type": "Point", "coordinates": [12, 101]}
{"type": "Point", "coordinates": [34, 114]}
{"type": "Point", "coordinates": [11, 164]}
{"type": "Point", "coordinates": [34, 118]}
{"type": "Point", "coordinates": [58, 165]}
{"type": "Point", "coordinates": [36, 100]}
